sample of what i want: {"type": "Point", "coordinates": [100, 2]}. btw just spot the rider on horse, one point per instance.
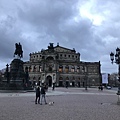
{"type": "Point", "coordinates": [18, 50]}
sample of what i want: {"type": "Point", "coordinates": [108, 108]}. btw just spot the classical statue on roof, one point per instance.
{"type": "Point", "coordinates": [51, 46]}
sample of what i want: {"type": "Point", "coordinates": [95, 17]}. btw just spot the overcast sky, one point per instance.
{"type": "Point", "coordinates": [92, 27]}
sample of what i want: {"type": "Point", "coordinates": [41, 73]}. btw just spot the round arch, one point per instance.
{"type": "Point", "coordinates": [49, 80]}
{"type": "Point", "coordinates": [49, 58]}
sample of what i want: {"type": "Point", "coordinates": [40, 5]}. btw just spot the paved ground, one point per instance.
{"type": "Point", "coordinates": [70, 104]}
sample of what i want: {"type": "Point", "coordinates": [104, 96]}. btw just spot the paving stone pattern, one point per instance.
{"type": "Point", "coordinates": [70, 104]}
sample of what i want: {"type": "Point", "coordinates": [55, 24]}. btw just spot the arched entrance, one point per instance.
{"type": "Point", "coordinates": [60, 83]}
{"type": "Point", "coordinates": [49, 81]}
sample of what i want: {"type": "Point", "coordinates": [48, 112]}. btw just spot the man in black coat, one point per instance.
{"type": "Point", "coordinates": [37, 99]}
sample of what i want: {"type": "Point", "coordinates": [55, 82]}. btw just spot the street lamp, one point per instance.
{"type": "Point", "coordinates": [7, 73]}
{"type": "Point", "coordinates": [117, 61]}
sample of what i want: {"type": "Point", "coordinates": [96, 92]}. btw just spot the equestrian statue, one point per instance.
{"type": "Point", "coordinates": [18, 50]}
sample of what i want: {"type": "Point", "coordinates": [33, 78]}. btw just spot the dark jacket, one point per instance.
{"type": "Point", "coordinates": [37, 91]}
{"type": "Point", "coordinates": [42, 90]}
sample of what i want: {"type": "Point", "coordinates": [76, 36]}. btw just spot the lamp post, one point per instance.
{"type": "Point", "coordinates": [117, 61]}
{"type": "Point", "coordinates": [26, 75]}
{"type": "Point", "coordinates": [7, 73]}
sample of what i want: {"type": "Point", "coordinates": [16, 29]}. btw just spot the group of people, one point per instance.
{"type": "Point", "coordinates": [40, 94]}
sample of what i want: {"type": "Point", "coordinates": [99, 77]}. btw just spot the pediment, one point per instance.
{"type": "Point", "coordinates": [62, 49]}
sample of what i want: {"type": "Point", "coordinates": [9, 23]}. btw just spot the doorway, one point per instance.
{"type": "Point", "coordinates": [60, 83]}
{"type": "Point", "coordinates": [49, 81]}
{"type": "Point", "coordinates": [67, 83]}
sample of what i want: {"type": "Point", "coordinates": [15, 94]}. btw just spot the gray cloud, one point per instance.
{"type": "Point", "coordinates": [37, 23]}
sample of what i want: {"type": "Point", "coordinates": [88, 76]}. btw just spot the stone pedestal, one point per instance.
{"type": "Point", "coordinates": [17, 74]}
{"type": "Point", "coordinates": [16, 71]}
{"type": "Point", "coordinates": [18, 79]}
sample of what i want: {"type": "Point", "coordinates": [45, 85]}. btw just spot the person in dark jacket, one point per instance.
{"type": "Point", "coordinates": [43, 92]}
{"type": "Point", "coordinates": [37, 99]}
{"type": "Point", "coordinates": [53, 86]}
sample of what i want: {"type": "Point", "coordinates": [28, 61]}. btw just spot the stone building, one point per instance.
{"type": "Point", "coordinates": [62, 66]}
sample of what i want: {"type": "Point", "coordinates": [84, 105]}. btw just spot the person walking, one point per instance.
{"type": "Point", "coordinates": [53, 86]}
{"type": "Point", "coordinates": [43, 93]}
{"type": "Point", "coordinates": [37, 99]}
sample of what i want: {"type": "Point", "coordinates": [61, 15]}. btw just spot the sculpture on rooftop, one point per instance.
{"type": "Point", "coordinates": [51, 46]}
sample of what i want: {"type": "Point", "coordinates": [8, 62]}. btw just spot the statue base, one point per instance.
{"type": "Point", "coordinates": [17, 77]}
{"type": "Point", "coordinates": [17, 73]}
{"type": "Point", "coordinates": [15, 86]}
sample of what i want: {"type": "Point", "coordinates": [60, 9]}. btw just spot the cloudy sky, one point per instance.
{"type": "Point", "coordinates": [90, 26]}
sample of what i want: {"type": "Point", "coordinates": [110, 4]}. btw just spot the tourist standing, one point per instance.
{"type": "Point", "coordinates": [43, 93]}
{"type": "Point", "coordinates": [37, 99]}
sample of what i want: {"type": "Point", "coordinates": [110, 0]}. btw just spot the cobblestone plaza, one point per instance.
{"type": "Point", "coordinates": [70, 104]}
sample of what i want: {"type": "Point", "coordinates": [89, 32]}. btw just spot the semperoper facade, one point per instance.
{"type": "Point", "coordinates": [62, 66]}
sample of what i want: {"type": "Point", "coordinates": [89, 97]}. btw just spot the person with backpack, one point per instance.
{"type": "Point", "coordinates": [43, 93]}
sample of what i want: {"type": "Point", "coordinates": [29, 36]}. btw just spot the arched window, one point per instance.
{"type": "Point", "coordinates": [30, 69]}
{"type": "Point", "coordinates": [73, 78]}
{"type": "Point", "coordinates": [40, 68]}
{"type": "Point", "coordinates": [34, 69]}
{"type": "Point", "coordinates": [50, 69]}
{"type": "Point", "coordinates": [39, 78]}
{"type": "Point", "coordinates": [60, 78]}
{"type": "Point", "coordinates": [26, 69]}
{"type": "Point", "coordinates": [72, 69]}
{"type": "Point", "coordinates": [66, 68]}
{"type": "Point", "coordinates": [49, 58]}
{"type": "Point", "coordinates": [60, 68]}
{"type": "Point", "coordinates": [78, 69]}
{"type": "Point", "coordinates": [34, 78]}
{"type": "Point", "coordinates": [67, 78]}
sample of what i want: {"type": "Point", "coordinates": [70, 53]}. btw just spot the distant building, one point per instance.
{"type": "Point", "coordinates": [62, 66]}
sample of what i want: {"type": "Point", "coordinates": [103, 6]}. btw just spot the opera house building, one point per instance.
{"type": "Point", "coordinates": [62, 66]}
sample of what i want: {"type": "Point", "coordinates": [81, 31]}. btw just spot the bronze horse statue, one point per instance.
{"type": "Point", "coordinates": [18, 50]}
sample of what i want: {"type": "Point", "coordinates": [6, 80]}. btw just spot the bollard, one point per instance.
{"type": "Point", "coordinates": [118, 102]}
